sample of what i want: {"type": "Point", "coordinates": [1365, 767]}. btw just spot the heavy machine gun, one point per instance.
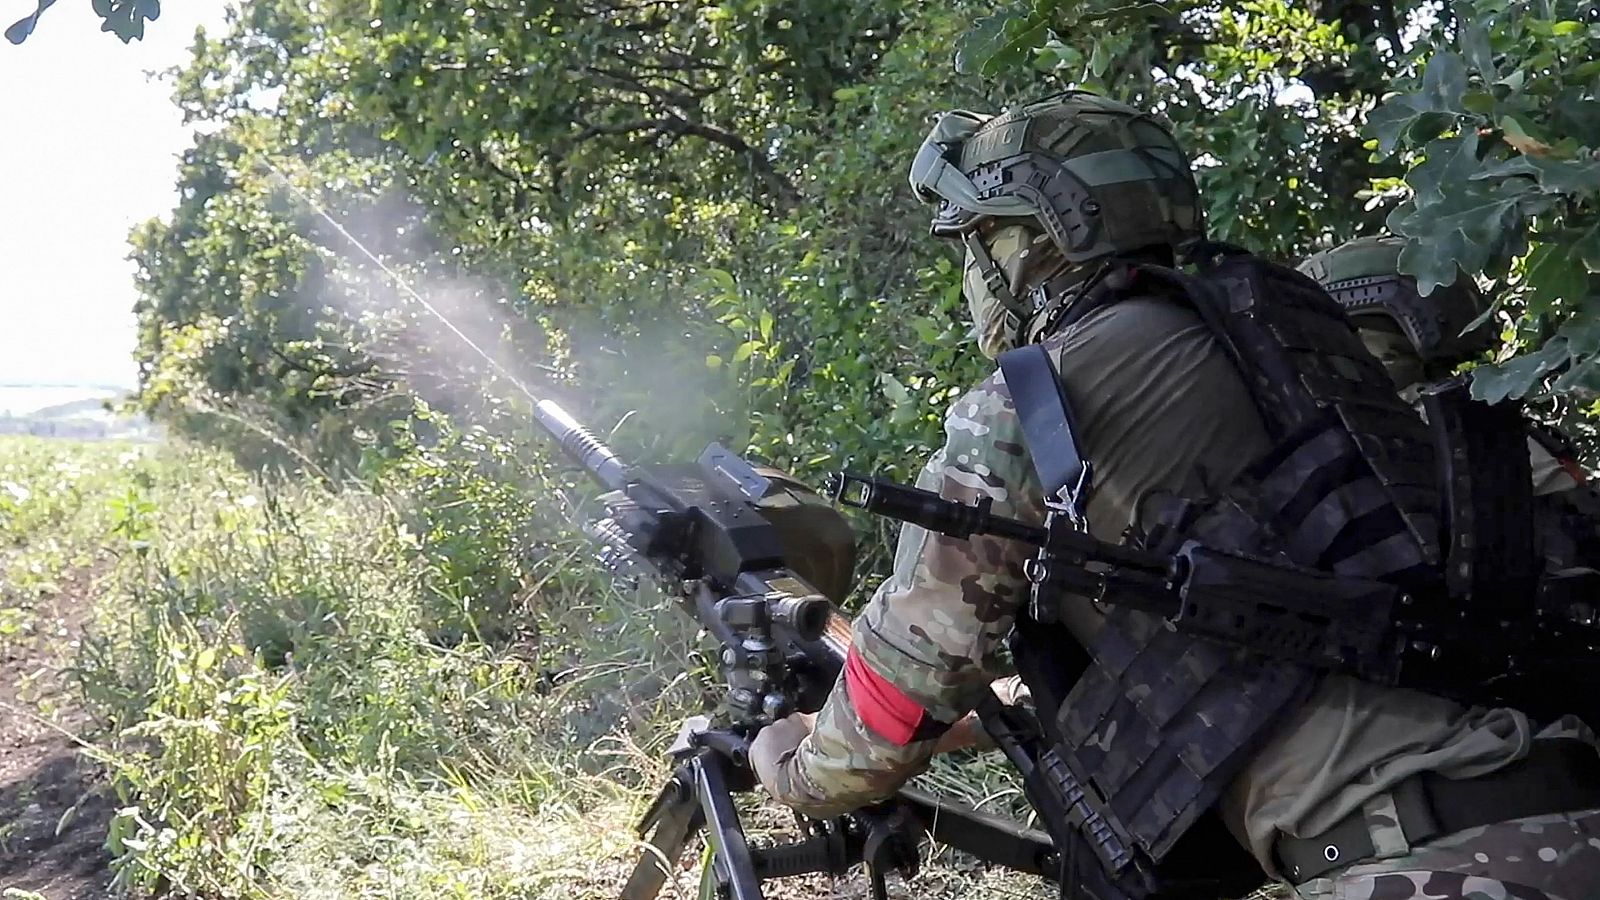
{"type": "Point", "coordinates": [703, 532]}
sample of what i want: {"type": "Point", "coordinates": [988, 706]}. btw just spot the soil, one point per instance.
{"type": "Point", "coordinates": [54, 807]}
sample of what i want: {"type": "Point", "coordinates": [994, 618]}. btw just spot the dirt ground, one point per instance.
{"type": "Point", "coordinates": [53, 807]}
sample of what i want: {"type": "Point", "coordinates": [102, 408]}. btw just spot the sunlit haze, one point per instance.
{"type": "Point", "coordinates": [89, 151]}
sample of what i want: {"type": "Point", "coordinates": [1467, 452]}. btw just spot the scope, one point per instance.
{"type": "Point", "coordinates": [807, 617]}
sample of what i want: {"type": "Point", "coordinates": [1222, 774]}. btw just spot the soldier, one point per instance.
{"type": "Point", "coordinates": [1423, 339]}
{"type": "Point", "coordinates": [1069, 209]}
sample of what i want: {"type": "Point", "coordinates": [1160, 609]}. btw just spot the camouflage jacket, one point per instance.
{"type": "Point", "coordinates": [1159, 407]}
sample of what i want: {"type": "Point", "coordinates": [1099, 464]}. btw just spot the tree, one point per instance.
{"type": "Point", "coordinates": [123, 18]}
{"type": "Point", "coordinates": [1498, 120]}
{"type": "Point", "coordinates": [1482, 155]}
{"type": "Point", "coordinates": [710, 196]}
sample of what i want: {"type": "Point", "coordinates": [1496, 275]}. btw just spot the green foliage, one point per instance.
{"type": "Point", "coordinates": [1498, 120]}
{"type": "Point", "coordinates": [1266, 96]}
{"type": "Point", "coordinates": [298, 701]}
{"type": "Point", "coordinates": [201, 763]}
{"type": "Point", "coordinates": [1483, 154]}
{"type": "Point", "coordinates": [294, 704]}
{"type": "Point", "coordinates": [699, 201]}
{"type": "Point", "coordinates": [50, 511]}
{"type": "Point", "coordinates": [123, 18]}
{"type": "Point", "coordinates": [688, 219]}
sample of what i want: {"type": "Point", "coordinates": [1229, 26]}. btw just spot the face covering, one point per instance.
{"type": "Point", "coordinates": [1394, 351]}
{"type": "Point", "coordinates": [1020, 254]}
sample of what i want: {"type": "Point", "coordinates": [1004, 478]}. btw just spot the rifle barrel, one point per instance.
{"type": "Point", "coordinates": [582, 446]}
{"type": "Point", "coordinates": [927, 509]}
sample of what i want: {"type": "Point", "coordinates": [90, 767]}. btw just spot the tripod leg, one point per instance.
{"type": "Point", "coordinates": [676, 817]}
{"type": "Point", "coordinates": [735, 870]}
{"type": "Point", "coordinates": [880, 887]}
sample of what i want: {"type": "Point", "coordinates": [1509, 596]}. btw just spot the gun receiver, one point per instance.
{"type": "Point", "coordinates": [699, 529]}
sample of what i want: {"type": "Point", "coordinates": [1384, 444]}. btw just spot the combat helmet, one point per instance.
{"type": "Point", "coordinates": [1097, 178]}
{"type": "Point", "coordinates": [1363, 275]}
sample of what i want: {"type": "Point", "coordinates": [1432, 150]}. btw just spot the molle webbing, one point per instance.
{"type": "Point", "coordinates": [1161, 723]}
{"type": "Point", "coordinates": [1491, 564]}
{"type": "Point", "coordinates": [1306, 369]}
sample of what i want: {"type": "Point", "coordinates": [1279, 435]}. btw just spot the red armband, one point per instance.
{"type": "Point", "coordinates": [1573, 469]}
{"type": "Point", "coordinates": [884, 708]}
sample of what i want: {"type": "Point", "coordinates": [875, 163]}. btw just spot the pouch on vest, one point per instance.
{"type": "Point", "coordinates": [1160, 722]}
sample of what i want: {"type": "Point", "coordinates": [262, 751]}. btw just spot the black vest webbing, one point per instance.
{"type": "Point", "coordinates": [1160, 723]}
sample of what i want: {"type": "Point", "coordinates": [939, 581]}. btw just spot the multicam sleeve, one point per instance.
{"type": "Point", "coordinates": [928, 644]}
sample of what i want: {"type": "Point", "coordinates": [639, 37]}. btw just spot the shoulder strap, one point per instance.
{"type": "Point", "coordinates": [1047, 426]}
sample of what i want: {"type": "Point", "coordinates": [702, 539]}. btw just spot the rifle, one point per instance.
{"type": "Point", "coordinates": [1269, 606]}
{"type": "Point", "coordinates": [1373, 630]}
{"type": "Point", "coordinates": [698, 531]}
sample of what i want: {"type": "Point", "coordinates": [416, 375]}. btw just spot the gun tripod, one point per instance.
{"type": "Point", "coordinates": [712, 766]}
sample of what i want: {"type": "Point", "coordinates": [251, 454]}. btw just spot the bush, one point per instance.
{"type": "Point", "coordinates": [318, 692]}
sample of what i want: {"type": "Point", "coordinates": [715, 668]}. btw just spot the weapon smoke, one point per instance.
{"type": "Point", "coordinates": [465, 344]}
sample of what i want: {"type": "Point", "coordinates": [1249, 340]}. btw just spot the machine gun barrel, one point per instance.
{"type": "Point", "coordinates": [700, 528]}
{"type": "Point", "coordinates": [588, 451]}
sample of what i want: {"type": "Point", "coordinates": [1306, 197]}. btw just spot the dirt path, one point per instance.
{"type": "Point", "coordinates": [53, 808]}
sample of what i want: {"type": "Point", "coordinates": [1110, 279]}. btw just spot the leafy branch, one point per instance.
{"type": "Point", "coordinates": [123, 18]}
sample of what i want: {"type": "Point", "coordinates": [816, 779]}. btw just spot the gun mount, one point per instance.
{"type": "Point", "coordinates": [701, 531]}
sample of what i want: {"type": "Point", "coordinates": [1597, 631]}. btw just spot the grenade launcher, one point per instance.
{"type": "Point", "coordinates": [713, 534]}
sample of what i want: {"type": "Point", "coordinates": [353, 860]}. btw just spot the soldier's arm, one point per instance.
{"type": "Point", "coordinates": [927, 645]}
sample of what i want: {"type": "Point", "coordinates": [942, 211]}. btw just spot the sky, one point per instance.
{"type": "Point", "coordinates": [88, 149]}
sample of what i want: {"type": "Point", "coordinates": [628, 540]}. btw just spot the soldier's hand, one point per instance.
{"type": "Point", "coordinates": [968, 733]}
{"type": "Point", "coordinates": [964, 734]}
{"type": "Point", "coordinates": [774, 746]}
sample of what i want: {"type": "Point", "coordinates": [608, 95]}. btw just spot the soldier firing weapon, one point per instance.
{"type": "Point", "coordinates": [701, 531]}
{"type": "Point", "coordinates": [704, 532]}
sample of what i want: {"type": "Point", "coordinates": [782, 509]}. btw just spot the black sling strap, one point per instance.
{"type": "Point", "coordinates": [1048, 427]}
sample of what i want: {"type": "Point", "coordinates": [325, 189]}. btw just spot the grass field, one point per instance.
{"type": "Point", "coordinates": [410, 688]}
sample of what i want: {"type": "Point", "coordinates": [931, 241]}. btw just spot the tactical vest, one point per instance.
{"type": "Point", "coordinates": [1159, 723]}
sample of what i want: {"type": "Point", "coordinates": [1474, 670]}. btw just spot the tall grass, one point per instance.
{"type": "Point", "coordinates": [409, 686]}
{"type": "Point", "coordinates": [405, 689]}
{"type": "Point", "coordinates": [54, 508]}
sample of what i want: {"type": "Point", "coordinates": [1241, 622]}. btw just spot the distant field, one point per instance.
{"type": "Point", "coordinates": [21, 400]}
{"type": "Point", "coordinates": [69, 411]}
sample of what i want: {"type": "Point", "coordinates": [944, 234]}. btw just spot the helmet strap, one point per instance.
{"type": "Point", "coordinates": [1070, 295]}
{"type": "Point", "coordinates": [995, 281]}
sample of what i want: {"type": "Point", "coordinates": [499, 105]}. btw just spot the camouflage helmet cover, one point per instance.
{"type": "Point", "coordinates": [1099, 177]}
{"type": "Point", "coordinates": [1363, 275]}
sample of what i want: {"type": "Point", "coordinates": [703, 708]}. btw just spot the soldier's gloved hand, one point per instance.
{"type": "Point", "coordinates": [774, 746]}
{"type": "Point", "coordinates": [968, 733]}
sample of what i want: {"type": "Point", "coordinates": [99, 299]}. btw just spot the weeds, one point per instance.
{"type": "Point", "coordinates": [404, 691]}
{"type": "Point", "coordinates": [53, 512]}
{"type": "Point", "coordinates": [411, 686]}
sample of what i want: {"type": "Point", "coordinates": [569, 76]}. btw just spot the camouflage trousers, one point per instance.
{"type": "Point", "coordinates": [1554, 857]}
